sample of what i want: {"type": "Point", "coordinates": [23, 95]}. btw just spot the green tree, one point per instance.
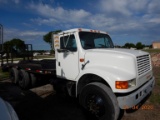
{"type": "Point", "coordinates": [129, 45]}
{"type": "Point", "coordinates": [14, 45]}
{"type": "Point", "coordinates": [48, 37]}
{"type": "Point", "coordinates": [139, 45]}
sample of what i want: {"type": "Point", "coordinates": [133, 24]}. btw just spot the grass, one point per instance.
{"type": "Point", "coordinates": [43, 56]}
{"type": "Point", "coordinates": [158, 81]}
{"type": "Point", "coordinates": [36, 57]}
{"type": "Point", "coordinates": [3, 75]}
{"type": "Point", "coordinates": [155, 98]}
{"type": "Point", "coordinates": [152, 50]}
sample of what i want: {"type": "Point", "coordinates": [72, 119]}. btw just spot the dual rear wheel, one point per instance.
{"type": "Point", "coordinates": [22, 78]}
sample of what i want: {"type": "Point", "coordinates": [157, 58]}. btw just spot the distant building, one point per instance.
{"type": "Point", "coordinates": [35, 54]}
{"type": "Point", "coordinates": [145, 48]}
{"type": "Point", "coordinates": [46, 53]}
{"type": "Point", "coordinates": [156, 45]}
{"type": "Point", "coordinates": [132, 48]}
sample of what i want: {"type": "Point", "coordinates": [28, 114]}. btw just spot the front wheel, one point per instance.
{"type": "Point", "coordinates": [98, 99]}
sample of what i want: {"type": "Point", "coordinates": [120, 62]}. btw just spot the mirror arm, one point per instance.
{"type": "Point", "coordinates": [62, 50]}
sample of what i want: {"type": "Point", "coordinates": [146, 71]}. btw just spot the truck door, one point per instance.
{"type": "Point", "coordinates": [67, 58]}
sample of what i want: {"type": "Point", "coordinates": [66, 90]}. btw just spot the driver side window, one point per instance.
{"type": "Point", "coordinates": [69, 43]}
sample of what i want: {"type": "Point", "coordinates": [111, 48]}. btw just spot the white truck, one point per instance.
{"type": "Point", "coordinates": [104, 78]}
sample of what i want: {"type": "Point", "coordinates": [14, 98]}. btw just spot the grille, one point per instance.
{"type": "Point", "coordinates": [143, 64]}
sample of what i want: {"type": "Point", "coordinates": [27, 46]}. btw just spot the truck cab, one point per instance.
{"type": "Point", "coordinates": [71, 48]}
{"type": "Point", "coordinates": [106, 79]}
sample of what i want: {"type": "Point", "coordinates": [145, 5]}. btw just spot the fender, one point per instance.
{"type": "Point", "coordinates": [109, 74]}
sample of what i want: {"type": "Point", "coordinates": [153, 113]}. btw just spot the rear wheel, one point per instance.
{"type": "Point", "coordinates": [33, 80]}
{"type": "Point", "coordinates": [98, 99]}
{"type": "Point", "coordinates": [24, 80]}
{"type": "Point", "coordinates": [14, 75]}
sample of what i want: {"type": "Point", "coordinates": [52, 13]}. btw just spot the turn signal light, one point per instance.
{"type": "Point", "coordinates": [122, 84]}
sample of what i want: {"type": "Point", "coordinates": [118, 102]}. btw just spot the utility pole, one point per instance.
{"type": "Point", "coordinates": [1, 44]}
{"type": "Point", "coordinates": [1, 37]}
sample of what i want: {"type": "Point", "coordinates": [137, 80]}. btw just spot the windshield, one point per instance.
{"type": "Point", "coordinates": [95, 40]}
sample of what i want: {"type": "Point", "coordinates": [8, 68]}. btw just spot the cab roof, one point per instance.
{"type": "Point", "coordinates": [80, 30]}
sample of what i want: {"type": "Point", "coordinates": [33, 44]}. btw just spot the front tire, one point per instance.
{"type": "Point", "coordinates": [98, 99]}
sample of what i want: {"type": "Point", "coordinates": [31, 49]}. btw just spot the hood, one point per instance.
{"type": "Point", "coordinates": [119, 64]}
{"type": "Point", "coordinates": [129, 52]}
{"type": "Point", "coordinates": [124, 60]}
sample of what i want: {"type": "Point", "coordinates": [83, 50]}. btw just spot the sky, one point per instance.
{"type": "Point", "coordinates": [126, 21]}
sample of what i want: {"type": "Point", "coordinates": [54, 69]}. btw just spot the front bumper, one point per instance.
{"type": "Point", "coordinates": [134, 98]}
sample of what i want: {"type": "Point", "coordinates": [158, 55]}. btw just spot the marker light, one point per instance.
{"type": "Point", "coordinates": [80, 29]}
{"type": "Point", "coordinates": [28, 69]}
{"type": "Point", "coordinates": [81, 59]}
{"type": "Point", "coordinates": [38, 71]}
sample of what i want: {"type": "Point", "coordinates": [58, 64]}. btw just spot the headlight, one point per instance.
{"type": "Point", "coordinates": [132, 83]}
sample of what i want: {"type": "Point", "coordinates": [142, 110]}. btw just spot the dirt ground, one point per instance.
{"type": "Point", "coordinates": [43, 103]}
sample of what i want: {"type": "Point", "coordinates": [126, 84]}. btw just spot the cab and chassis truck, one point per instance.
{"type": "Point", "coordinates": [103, 78]}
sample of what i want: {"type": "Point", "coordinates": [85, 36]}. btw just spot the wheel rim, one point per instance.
{"type": "Point", "coordinates": [95, 104]}
{"type": "Point", "coordinates": [12, 77]}
{"type": "Point", "coordinates": [21, 80]}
